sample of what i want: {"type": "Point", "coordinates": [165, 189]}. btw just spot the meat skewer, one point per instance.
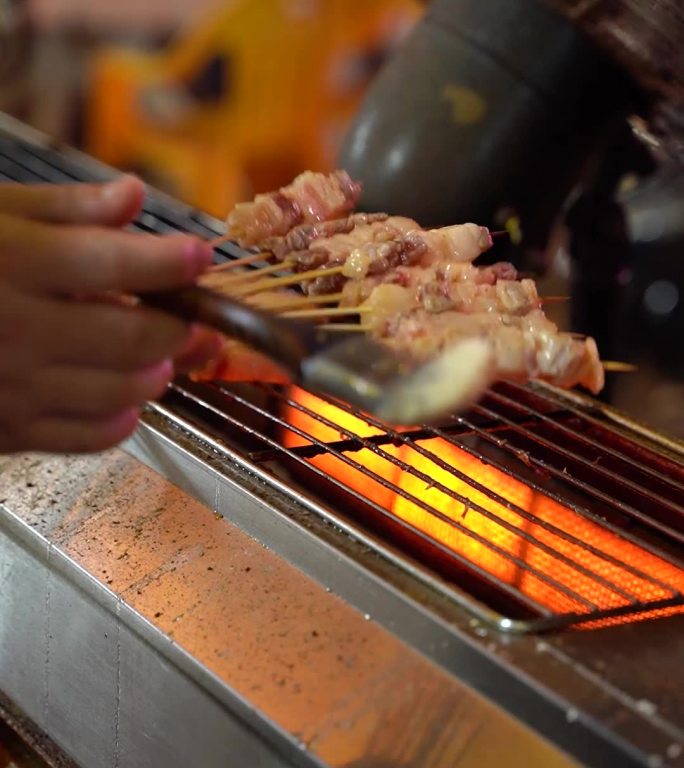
{"type": "Point", "coordinates": [303, 311]}
{"type": "Point", "coordinates": [526, 347]}
{"type": "Point", "coordinates": [347, 257]}
{"type": "Point", "coordinates": [302, 278]}
{"type": "Point", "coordinates": [297, 239]}
{"type": "Point", "coordinates": [499, 307]}
{"type": "Point", "coordinates": [310, 198]}
{"type": "Point", "coordinates": [387, 299]}
{"type": "Point", "coordinates": [519, 354]}
{"type": "Point", "coordinates": [337, 248]}
{"type": "Point", "coordinates": [436, 280]}
{"type": "Point", "coordinates": [301, 238]}
{"type": "Point", "coordinates": [414, 289]}
{"type": "Point", "coordinates": [523, 346]}
{"type": "Point", "coordinates": [376, 247]}
{"type": "Point", "coordinates": [332, 250]}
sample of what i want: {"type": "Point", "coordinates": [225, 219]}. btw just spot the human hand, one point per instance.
{"type": "Point", "coordinates": [77, 361]}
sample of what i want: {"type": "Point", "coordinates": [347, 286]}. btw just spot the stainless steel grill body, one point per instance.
{"type": "Point", "coordinates": [353, 629]}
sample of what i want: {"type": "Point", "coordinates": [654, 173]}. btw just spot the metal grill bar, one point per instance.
{"type": "Point", "coordinates": [38, 165]}
{"type": "Point", "coordinates": [493, 496]}
{"type": "Point", "coordinates": [571, 480]}
{"type": "Point", "coordinates": [32, 163]}
{"type": "Point", "coordinates": [468, 504]}
{"type": "Point", "coordinates": [580, 510]}
{"type": "Point", "coordinates": [596, 468]}
{"type": "Point", "coordinates": [430, 510]}
{"type": "Point", "coordinates": [512, 592]}
{"type": "Point", "coordinates": [552, 471]}
{"type": "Point", "coordinates": [387, 438]}
{"type": "Point", "coordinates": [582, 436]}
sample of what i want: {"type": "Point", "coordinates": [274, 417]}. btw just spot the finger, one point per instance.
{"type": "Point", "coordinates": [203, 346]}
{"type": "Point", "coordinates": [89, 260]}
{"type": "Point", "coordinates": [109, 336]}
{"type": "Point", "coordinates": [90, 393]}
{"type": "Point", "coordinates": [112, 204]}
{"type": "Point", "coordinates": [65, 435]}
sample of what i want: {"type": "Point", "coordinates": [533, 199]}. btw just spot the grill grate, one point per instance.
{"type": "Point", "coordinates": [531, 511]}
{"type": "Point", "coordinates": [553, 558]}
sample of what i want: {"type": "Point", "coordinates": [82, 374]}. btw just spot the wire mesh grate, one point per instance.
{"type": "Point", "coordinates": [569, 560]}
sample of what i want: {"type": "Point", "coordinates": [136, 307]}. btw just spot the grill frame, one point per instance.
{"type": "Point", "coordinates": [27, 165]}
{"type": "Point", "coordinates": [479, 610]}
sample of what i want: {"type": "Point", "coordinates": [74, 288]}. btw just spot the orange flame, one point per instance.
{"type": "Point", "coordinates": [541, 547]}
{"type": "Point", "coordinates": [472, 523]}
{"type": "Point", "coordinates": [345, 425]}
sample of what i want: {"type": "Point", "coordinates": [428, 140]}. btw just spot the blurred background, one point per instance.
{"type": "Point", "coordinates": [210, 100]}
{"type": "Point", "coordinates": [213, 101]}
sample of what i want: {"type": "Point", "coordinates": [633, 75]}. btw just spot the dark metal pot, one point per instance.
{"type": "Point", "coordinates": [485, 113]}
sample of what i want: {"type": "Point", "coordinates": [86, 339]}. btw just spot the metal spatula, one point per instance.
{"type": "Point", "coordinates": [351, 367]}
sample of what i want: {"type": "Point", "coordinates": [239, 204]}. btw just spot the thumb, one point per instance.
{"type": "Point", "coordinates": [111, 204]}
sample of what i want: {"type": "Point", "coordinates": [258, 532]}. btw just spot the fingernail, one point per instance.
{"type": "Point", "coordinates": [198, 255]}
{"type": "Point", "coordinates": [92, 201]}
{"type": "Point", "coordinates": [111, 189]}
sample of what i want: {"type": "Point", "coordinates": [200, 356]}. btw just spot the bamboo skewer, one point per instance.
{"type": "Point", "coordinates": [323, 312]}
{"type": "Point", "coordinates": [253, 258]}
{"type": "Point", "coordinates": [220, 240]}
{"type": "Point", "coordinates": [333, 297]}
{"type": "Point", "coordinates": [610, 366]}
{"type": "Point", "coordinates": [249, 274]}
{"type": "Point", "coordinates": [295, 302]}
{"type": "Point", "coordinates": [307, 301]}
{"type": "Point", "coordinates": [279, 282]}
{"type": "Point", "coordinates": [348, 327]}
{"type": "Point", "coordinates": [615, 366]}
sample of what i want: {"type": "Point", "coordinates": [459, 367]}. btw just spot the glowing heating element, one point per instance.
{"type": "Point", "coordinates": [519, 536]}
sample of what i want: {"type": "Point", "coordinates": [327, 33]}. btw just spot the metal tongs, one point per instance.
{"type": "Point", "coordinates": [350, 366]}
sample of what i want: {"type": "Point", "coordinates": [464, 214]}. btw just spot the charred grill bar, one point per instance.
{"type": "Point", "coordinates": [542, 620]}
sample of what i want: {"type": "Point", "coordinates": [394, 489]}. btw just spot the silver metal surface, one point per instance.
{"type": "Point", "coordinates": [102, 682]}
{"type": "Point", "coordinates": [140, 630]}
{"type": "Point", "coordinates": [544, 686]}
